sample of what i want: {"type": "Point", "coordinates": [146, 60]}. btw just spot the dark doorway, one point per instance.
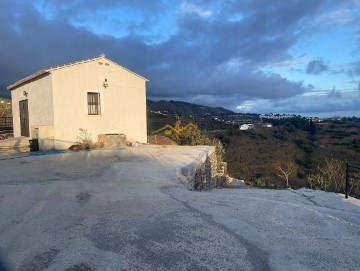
{"type": "Point", "coordinates": [24, 118]}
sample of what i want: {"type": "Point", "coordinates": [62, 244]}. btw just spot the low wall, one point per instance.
{"type": "Point", "coordinates": [205, 172]}
{"type": "Point", "coordinates": [112, 140]}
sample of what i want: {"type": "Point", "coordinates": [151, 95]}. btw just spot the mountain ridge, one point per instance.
{"type": "Point", "coordinates": [185, 108]}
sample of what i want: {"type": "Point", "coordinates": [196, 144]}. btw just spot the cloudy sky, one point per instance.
{"type": "Point", "coordinates": [293, 56]}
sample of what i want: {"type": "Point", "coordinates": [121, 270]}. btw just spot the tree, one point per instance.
{"type": "Point", "coordinates": [312, 127]}
{"type": "Point", "coordinates": [334, 170]}
{"type": "Point", "coordinates": [329, 176]}
{"type": "Point", "coordinates": [285, 169]}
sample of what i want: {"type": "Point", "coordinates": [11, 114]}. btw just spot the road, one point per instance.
{"type": "Point", "coordinates": [128, 210]}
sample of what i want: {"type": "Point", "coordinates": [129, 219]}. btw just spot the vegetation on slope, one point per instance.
{"type": "Point", "coordinates": [252, 155]}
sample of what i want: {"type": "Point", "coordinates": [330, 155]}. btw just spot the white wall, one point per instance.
{"type": "Point", "coordinates": [40, 103]}
{"type": "Point", "coordinates": [123, 102]}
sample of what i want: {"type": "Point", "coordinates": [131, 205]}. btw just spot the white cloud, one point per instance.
{"type": "Point", "coordinates": [293, 62]}
{"type": "Point", "coordinates": [342, 16]}
{"type": "Point", "coordinates": [247, 106]}
{"type": "Point", "coordinates": [191, 8]}
{"type": "Point", "coordinates": [315, 93]}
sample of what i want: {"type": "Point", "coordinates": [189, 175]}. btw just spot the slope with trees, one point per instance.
{"type": "Point", "coordinates": [318, 150]}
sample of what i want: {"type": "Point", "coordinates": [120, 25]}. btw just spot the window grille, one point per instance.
{"type": "Point", "coordinates": [94, 107]}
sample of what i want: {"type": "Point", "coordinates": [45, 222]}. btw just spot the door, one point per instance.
{"type": "Point", "coordinates": [24, 118]}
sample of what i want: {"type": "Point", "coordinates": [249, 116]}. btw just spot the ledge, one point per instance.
{"type": "Point", "coordinates": [188, 173]}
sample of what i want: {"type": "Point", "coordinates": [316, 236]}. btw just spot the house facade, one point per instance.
{"type": "Point", "coordinates": [95, 94]}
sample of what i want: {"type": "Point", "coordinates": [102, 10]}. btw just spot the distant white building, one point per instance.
{"type": "Point", "coordinates": [244, 127]}
{"type": "Point", "coordinates": [267, 125]}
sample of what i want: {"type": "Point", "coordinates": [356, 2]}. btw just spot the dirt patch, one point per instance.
{"type": "Point", "coordinates": [160, 140]}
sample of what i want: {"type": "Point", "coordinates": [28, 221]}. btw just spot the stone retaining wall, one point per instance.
{"type": "Point", "coordinates": [205, 172]}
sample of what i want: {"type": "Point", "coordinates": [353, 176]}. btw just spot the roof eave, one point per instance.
{"type": "Point", "coordinates": [121, 66]}
{"type": "Point", "coordinates": [48, 70]}
{"type": "Point", "coordinates": [28, 78]}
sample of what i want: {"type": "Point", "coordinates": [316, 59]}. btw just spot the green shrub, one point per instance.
{"type": "Point", "coordinates": [262, 136]}
{"type": "Point", "coordinates": [280, 134]}
{"type": "Point", "coordinates": [289, 128]}
{"type": "Point", "coordinates": [196, 137]}
{"type": "Point", "coordinates": [314, 138]}
{"type": "Point", "coordinates": [224, 139]}
{"type": "Point", "coordinates": [299, 142]}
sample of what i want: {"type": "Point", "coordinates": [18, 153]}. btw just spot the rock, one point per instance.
{"type": "Point", "coordinates": [235, 183]}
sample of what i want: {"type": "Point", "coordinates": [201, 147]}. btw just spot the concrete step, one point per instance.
{"type": "Point", "coordinates": [14, 145]}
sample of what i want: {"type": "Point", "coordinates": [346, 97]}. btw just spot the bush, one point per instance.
{"type": "Point", "coordinates": [306, 162]}
{"type": "Point", "coordinates": [194, 137]}
{"type": "Point", "coordinates": [280, 134]}
{"type": "Point", "coordinates": [84, 141]}
{"type": "Point", "coordinates": [314, 138]}
{"type": "Point", "coordinates": [299, 142]}
{"type": "Point", "coordinates": [289, 128]}
{"type": "Point", "coordinates": [329, 176]}
{"type": "Point", "coordinates": [262, 136]}
{"type": "Point", "coordinates": [224, 139]}
{"type": "Point", "coordinates": [308, 149]}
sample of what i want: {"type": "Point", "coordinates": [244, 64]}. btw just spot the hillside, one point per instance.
{"type": "Point", "coordinates": [207, 118]}
{"type": "Point", "coordinates": [156, 121]}
{"type": "Point", "coordinates": [184, 108]}
{"type": "Point", "coordinates": [251, 154]}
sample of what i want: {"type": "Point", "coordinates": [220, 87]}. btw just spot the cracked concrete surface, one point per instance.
{"type": "Point", "coordinates": [128, 210]}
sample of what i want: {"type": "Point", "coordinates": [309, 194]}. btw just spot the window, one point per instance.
{"type": "Point", "coordinates": [93, 99]}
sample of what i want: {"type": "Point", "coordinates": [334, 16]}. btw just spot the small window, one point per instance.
{"type": "Point", "coordinates": [94, 107]}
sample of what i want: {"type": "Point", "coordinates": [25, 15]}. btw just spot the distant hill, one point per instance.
{"type": "Point", "coordinates": [184, 108]}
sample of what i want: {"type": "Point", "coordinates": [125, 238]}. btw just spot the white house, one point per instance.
{"type": "Point", "coordinates": [95, 94]}
{"type": "Point", "coordinates": [267, 125]}
{"type": "Point", "coordinates": [244, 127]}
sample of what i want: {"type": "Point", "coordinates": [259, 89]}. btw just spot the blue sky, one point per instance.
{"type": "Point", "coordinates": [295, 56]}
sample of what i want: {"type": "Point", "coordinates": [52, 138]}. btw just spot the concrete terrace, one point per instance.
{"type": "Point", "coordinates": [129, 210]}
{"type": "Point", "coordinates": [13, 146]}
